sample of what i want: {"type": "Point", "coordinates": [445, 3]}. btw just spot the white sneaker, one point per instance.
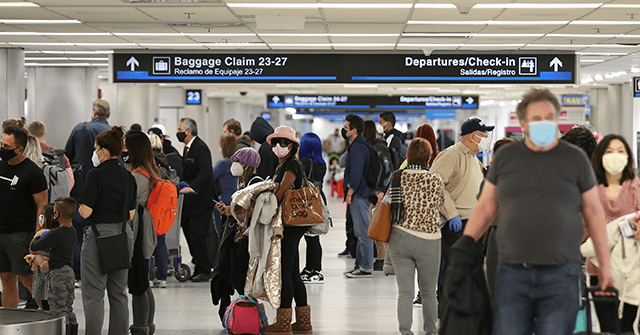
{"type": "Point", "coordinates": [162, 284]}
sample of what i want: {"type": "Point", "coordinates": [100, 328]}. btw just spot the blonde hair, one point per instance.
{"type": "Point", "coordinates": [33, 151]}
{"type": "Point", "coordinates": [156, 142]}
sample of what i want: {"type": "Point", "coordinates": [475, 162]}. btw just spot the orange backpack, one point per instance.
{"type": "Point", "coordinates": [162, 204]}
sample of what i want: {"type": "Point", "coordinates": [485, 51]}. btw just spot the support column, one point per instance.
{"type": "Point", "coordinates": [12, 83]}
{"type": "Point", "coordinates": [136, 103]}
{"type": "Point", "coordinates": [60, 97]}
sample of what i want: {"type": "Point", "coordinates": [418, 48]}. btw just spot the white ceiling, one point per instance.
{"type": "Point", "coordinates": [605, 33]}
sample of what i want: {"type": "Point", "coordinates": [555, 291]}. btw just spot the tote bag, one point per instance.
{"type": "Point", "coordinates": [380, 226]}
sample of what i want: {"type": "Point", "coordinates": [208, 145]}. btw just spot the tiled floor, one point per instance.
{"type": "Point", "coordinates": [339, 306]}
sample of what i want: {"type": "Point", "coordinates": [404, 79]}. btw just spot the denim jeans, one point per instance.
{"type": "Point", "coordinates": [361, 216]}
{"type": "Point", "coordinates": [544, 300]}
{"type": "Point", "coordinates": [160, 259]}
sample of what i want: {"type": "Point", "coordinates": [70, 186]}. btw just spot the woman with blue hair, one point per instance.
{"type": "Point", "coordinates": [310, 154]}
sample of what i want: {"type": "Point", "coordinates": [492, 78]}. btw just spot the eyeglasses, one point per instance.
{"type": "Point", "coordinates": [282, 141]}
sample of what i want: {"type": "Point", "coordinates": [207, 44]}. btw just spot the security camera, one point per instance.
{"type": "Point", "coordinates": [243, 93]}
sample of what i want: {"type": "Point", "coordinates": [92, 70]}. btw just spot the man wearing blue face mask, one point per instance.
{"type": "Point", "coordinates": [539, 187]}
{"type": "Point", "coordinates": [462, 172]}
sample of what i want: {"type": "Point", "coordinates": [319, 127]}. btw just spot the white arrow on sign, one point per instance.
{"type": "Point", "coordinates": [275, 99]}
{"type": "Point", "coordinates": [133, 63]}
{"type": "Point", "coordinates": [555, 63]}
{"type": "Point", "coordinates": [469, 100]}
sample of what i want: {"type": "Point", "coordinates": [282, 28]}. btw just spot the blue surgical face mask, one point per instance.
{"type": "Point", "coordinates": [542, 133]}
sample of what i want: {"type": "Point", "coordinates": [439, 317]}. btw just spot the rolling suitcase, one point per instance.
{"type": "Point", "coordinates": [585, 305]}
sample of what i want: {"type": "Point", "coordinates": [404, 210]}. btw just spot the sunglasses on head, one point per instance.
{"type": "Point", "coordinates": [282, 141]}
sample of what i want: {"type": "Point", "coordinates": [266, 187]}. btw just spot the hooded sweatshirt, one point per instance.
{"type": "Point", "coordinates": [260, 129]}
{"type": "Point", "coordinates": [243, 142]}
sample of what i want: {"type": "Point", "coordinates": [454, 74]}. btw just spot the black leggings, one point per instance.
{"type": "Point", "coordinates": [292, 284]}
{"type": "Point", "coordinates": [314, 253]}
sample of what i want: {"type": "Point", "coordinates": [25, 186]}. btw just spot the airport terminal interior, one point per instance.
{"type": "Point", "coordinates": [307, 64]}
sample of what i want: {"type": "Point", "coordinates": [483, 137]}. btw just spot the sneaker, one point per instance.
{"type": "Point", "coordinates": [22, 303]}
{"type": "Point", "coordinates": [357, 273]}
{"type": "Point", "coordinates": [304, 275]}
{"type": "Point", "coordinates": [152, 283]}
{"type": "Point", "coordinates": [345, 253]}
{"type": "Point", "coordinates": [77, 283]}
{"type": "Point", "coordinates": [418, 301]}
{"type": "Point", "coordinates": [316, 277]}
{"type": "Point", "coordinates": [155, 282]}
{"type": "Point", "coordinates": [162, 284]}
{"type": "Point", "coordinates": [378, 265]}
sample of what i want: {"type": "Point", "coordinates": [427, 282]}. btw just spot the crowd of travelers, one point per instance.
{"type": "Point", "coordinates": [497, 249]}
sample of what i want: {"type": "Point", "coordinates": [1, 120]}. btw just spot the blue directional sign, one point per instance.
{"type": "Point", "coordinates": [266, 67]}
{"type": "Point", "coordinates": [373, 101]}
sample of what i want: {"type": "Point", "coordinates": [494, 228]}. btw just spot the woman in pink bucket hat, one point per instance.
{"type": "Point", "coordinates": [289, 174]}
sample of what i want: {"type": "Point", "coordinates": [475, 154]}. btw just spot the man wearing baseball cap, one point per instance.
{"type": "Point", "coordinates": [462, 172]}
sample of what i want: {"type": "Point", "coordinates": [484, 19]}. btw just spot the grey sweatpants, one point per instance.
{"type": "Point", "coordinates": [94, 283]}
{"type": "Point", "coordinates": [408, 253]}
{"type": "Point", "coordinates": [62, 293]}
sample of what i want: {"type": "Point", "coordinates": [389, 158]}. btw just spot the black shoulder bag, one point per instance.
{"type": "Point", "coordinates": [113, 250]}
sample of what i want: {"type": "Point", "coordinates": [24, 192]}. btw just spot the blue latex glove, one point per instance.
{"type": "Point", "coordinates": [455, 223]}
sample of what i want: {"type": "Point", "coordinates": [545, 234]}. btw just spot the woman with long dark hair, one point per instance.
{"type": "Point", "coordinates": [289, 175]}
{"type": "Point", "coordinates": [102, 204]}
{"type": "Point", "coordinates": [619, 193]}
{"type": "Point", "coordinates": [310, 155]}
{"type": "Point", "coordinates": [145, 171]}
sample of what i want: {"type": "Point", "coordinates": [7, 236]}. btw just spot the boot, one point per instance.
{"type": "Point", "coordinates": [282, 325]}
{"type": "Point", "coordinates": [303, 321]}
{"type": "Point", "coordinates": [138, 329]}
{"type": "Point", "coordinates": [72, 329]}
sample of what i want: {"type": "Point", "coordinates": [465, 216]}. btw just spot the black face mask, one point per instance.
{"type": "Point", "coordinates": [125, 156]}
{"type": "Point", "coordinates": [7, 154]}
{"type": "Point", "coordinates": [344, 134]}
{"type": "Point", "coordinates": [181, 135]}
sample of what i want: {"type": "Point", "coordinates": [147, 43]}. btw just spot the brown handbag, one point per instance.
{"type": "Point", "coordinates": [380, 226]}
{"type": "Point", "coordinates": [302, 207]}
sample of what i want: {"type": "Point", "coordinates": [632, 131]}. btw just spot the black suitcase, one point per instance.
{"type": "Point", "coordinates": [611, 300]}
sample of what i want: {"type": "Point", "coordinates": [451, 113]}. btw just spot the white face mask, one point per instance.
{"type": "Point", "coordinates": [95, 159]}
{"type": "Point", "coordinates": [379, 128]}
{"type": "Point", "coordinates": [614, 163]}
{"type": "Point", "coordinates": [280, 151]}
{"type": "Point", "coordinates": [236, 169]}
{"type": "Point", "coordinates": [484, 143]}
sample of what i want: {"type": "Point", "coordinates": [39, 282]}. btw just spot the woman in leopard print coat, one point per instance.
{"type": "Point", "coordinates": [414, 242]}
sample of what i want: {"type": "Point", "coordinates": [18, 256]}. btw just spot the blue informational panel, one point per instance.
{"type": "Point", "coordinates": [373, 101]}
{"type": "Point", "coordinates": [194, 97]}
{"type": "Point", "coordinates": [531, 67]}
{"type": "Point", "coordinates": [440, 114]}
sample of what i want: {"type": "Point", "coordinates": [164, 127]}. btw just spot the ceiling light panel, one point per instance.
{"type": "Point", "coordinates": [377, 16]}
{"type": "Point", "coordinates": [36, 21]}
{"type": "Point", "coordinates": [453, 14]}
{"type": "Point", "coordinates": [105, 14]}
{"type": "Point", "coordinates": [358, 28]}
{"type": "Point", "coordinates": [200, 14]}
{"type": "Point", "coordinates": [296, 39]}
{"type": "Point", "coordinates": [536, 5]}
{"type": "Point", "coordinates": [18, 4]}
{"type": "Point", "coordinates": [542, 14]}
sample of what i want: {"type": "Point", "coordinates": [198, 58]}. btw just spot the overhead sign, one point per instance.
{"type": "Point", "coordinates": [440, 114]}
{"type": "Point", "coordinates": [636, 87]}
{"type": "Point", "coordinates": [194, 97]}
{"type": "Point", "coordinates": [495, 68]}
{"type": "Point", "coordinates": [575, 100]}
{"type": "Point", "coordinates": [373, 101]}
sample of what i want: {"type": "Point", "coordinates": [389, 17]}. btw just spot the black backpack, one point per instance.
{"type": "Point", "coordinates": [379, 170]}
{"type": "Point", "coordinates": [55, 157]}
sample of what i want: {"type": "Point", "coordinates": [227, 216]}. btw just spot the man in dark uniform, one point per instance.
{"type": "Point", "coordinates": [199, 197]}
